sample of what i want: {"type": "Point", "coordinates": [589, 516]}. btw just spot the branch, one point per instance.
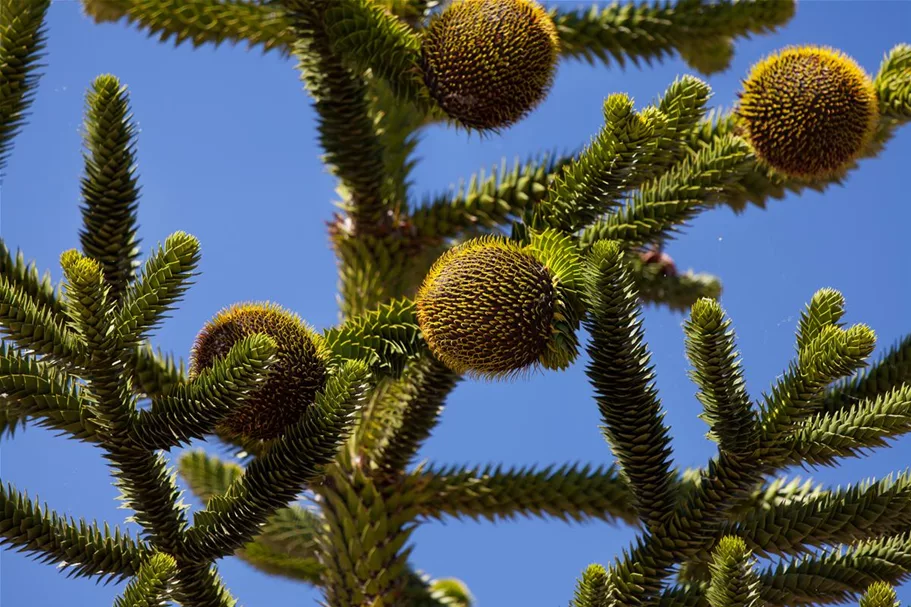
{"type": "Point", "coordinates": [832, 354]}
{"type": "Point", "coordinates": [150, 586]}
{"type": "Point", "coordinates": [624, 385]}
{"type": "Point", "coordinates": [385, 338]}
{"type": "Point", "coordinates": [32, 389]}
{"type": "Point", "coordinates": [83, 548]}
{"type": "Point", "coordinates": [201, 21]}
{"type": "Point", "coordinates": [270, 482]}
{"type": "Point", "coordinates": [734, 581]}
{"type": "Point", "coordinates": [659, 208]}
{"type": "Point", "coordinates": [850, 431]}
{"type": "Point", "coordinates": [34, 327]}
{"type": "Point", "coordinates": [631, 149]}
{"type": "Point", "coordinates": [109, 187]}
{"type": "Point", "coordinates": [153, 373]}
{"type": "Point", "coordinates": [592, 590]}
{"type": "Point", "coordinates": [164, 279]}
{"type": "Point", "coordinates": [678, 292]}
{"type": "Point", "coordinates": [286, 543]}
{"type": "Point", "coordinates": [488, 201]}
{"type": "Point", "coordinates": [23, 37]}
{"type": "Point", "coordinates": [566, 492]}
{"type": "Point", "coordinates": [717, 371]}
{"type": "Point", "coordinates": [858, 512]}
{"type": "Point", "coordinates": [287, 546]}
{"type": "Point", "coordinates": [25, 276]}
{"type": "Point", "coordinates": [879, 594]}
{"type": "Point", "coordinates": [192, 410]}
{"type": "Point", "coordinates": [654, 31]}
{"type": "Point", "coordinates": [371, 38]}
{"type": "Point", "coordinates": [891, 371]}
{"type": "Point", "coordinates": [409, 409]}
{"type": "Point", "coordinates": [347, 131]}
{"type": "Point", "coordinates": [838, 576]}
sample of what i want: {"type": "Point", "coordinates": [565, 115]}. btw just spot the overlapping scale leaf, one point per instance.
{"type": "Point", "coordinates": [150, 587]}
{"type": "Point", "coordinates": [568, 492]}
{"type": "Point", "coordinates": [624, 384]}
{"type": "Point", "coordinates": [36, 390]}
{"type": "Point", "coordinates": [192, 410]}
{"type": "Point", "coordinates": [259, 24]}
{"type": "Point", "coordinates": [385, 338]}
{"type": "Point", "coordinates": [35, 328]}
{"type": "Point", "coordinates": [110, 191]}
{"type": "Point", "coordinates": [646, 32]}
{"type": "Point", "coordinates": [85, 549]}
{"type": "Point", "coordinates": [22, 40]}
{"type": "Point", "coordinates": [272, 481]}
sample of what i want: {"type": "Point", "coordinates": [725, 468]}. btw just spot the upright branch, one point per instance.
{"type": "Point", "coordinates": [347, 132]}
{"type": "Point", "coordinates": [22, 39]}
{"type": "Point", "coordinates": [624, 386]}
{"type": "Point", "coordinates": [109, 188]}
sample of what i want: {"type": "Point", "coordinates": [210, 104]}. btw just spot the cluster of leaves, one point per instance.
{"type": "Point", "coordinates": [76, 359]}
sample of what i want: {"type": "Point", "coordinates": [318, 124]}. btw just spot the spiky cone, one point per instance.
{"type": "Point", "coordinates": [488, 63]}
{"type": "Point", "coordinates": [808, 111]}
{"type": "Point", "coordinates": [293, 381]}
{"type": "Point", "coordinates": [491, 308]}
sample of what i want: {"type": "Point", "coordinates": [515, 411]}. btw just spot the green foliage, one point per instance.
{"type": "Point", "coordinates": [33, 389]}
{"type": "Point", "coordinates": [347, 133]}
{"type": "Point", "coordinates": [717, 371]}
{"type": "Point", "coordinates": [892, 84]}
{"type": "Point", "coordinates": [879, 594]}
{"type": "Point", "coordinates": [385, 338]}
{"type": "Point", "coordinates": [34, 327]}
{"type": "Point", "coordinates": [192, 410]}
{"type": "Point", "coordinates": [77, 360]}
{"type": "Point", "coordinates": [154, 373]}
{"type": "Point", "coordinates": [624, 385]}
{"type": "Point", "coordinates": [22, 39]}
{"type": "Point", "coordinates": [405, 413]}
{"type": "Point", "coordinates": [734, 582]}
{"type": "Point", "coordinates": [200, 21]}
{"type": "Point", "coordinates": [659, 208]}
{"type": "Point", "coordinates": [109, 188]}
{"type": "Point", "coordinates": [858, 512]}
{"type": "Point", "coordinates": [592, 588]}
{"type": "Point", "coordinates": [890, 372]}
{"type": "Point", "coordinates": [150, 586]}
{"type": "Point", "coordinates": [701, 31]}
{"type": "Point", "coordinates": [829, 356]}
{"type": "Point", "coordinates": [285, 545]}
{"type": "Point", "coordinates": [270, 482]}
{"type": "Point", "coordinates": [852, 430]}
{"type": "Point", "coordinates": [164, 279]}
{"type": "Point", "coordinates": [25, 276]}
{"type": "Point", "coordinates": [85, 549]}
{"type": "Point", "coordinates": [576, 493]}
{"type": "Point", "coordinates": [371, 38]}
{"type": "Point", "coordinates": [631, 149]}
{"type": "Point", "coordinates": [487, 201]}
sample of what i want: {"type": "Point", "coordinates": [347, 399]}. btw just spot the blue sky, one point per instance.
{"type": "Point", "coordinates": [227, 152]}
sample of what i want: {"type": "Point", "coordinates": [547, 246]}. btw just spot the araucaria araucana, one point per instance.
{"type": "Point", "coordinates": [524, 270]}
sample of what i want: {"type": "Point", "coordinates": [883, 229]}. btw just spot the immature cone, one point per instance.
{"type": "Point", "coordinates": [487, 307]}
{"type": "Point", "coordinates": [293, 381]}
{"type": "Point", "coordinates": [488, 63]}
{"type": "Point", "coordinates": [808, 111]}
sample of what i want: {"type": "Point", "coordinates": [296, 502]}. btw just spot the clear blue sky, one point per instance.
{"type": "Point", "coordinates": [227, 152]}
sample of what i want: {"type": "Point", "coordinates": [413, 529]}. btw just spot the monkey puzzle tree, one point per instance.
{"type": "Point", "coordinates": [493, 280]}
